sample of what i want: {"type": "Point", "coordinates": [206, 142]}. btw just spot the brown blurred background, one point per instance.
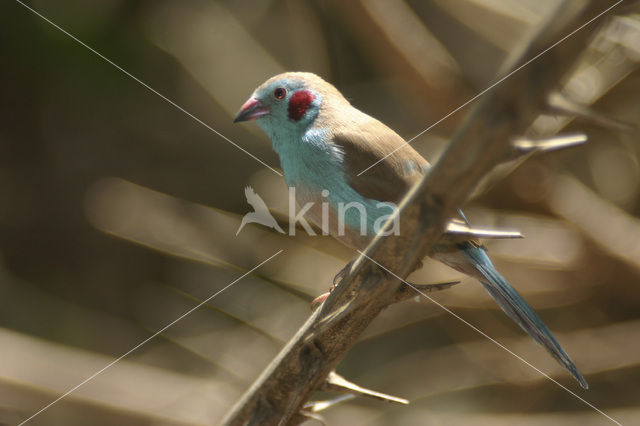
{"type": "Point", "coordinates": [118, 213]}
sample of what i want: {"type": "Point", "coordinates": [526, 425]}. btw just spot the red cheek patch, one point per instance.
{"type": "Point", "coordinates": [298, 104]}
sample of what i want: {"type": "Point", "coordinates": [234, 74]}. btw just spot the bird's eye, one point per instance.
{"type": "Point", "coordinates": [279, 93]}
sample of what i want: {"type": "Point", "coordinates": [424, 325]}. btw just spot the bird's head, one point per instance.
{"type": "Point", "coordinates": [288, 103]}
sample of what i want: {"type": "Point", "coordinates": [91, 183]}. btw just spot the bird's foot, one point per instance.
{"type": "Point", "coordinates": [336, 281]}
{"type": "Point", "coordinates": [318, 300]}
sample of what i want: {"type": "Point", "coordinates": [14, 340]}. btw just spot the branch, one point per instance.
{"type": "Point", "coordinates": [483, 141]}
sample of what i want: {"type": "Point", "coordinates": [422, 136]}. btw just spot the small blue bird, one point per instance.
{"type": "Point", "coordinates": [324, 143]}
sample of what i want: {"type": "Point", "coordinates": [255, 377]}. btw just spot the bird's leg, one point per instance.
{"type": "Point", "coordinates": [336, 281]}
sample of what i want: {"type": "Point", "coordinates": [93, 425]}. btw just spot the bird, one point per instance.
{"type": "Point", "coordinates": [324, 143]}
{"type": "Point", "coordinates": [260, 214]}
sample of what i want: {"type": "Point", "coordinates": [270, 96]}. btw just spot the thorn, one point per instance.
{"type": "Point", "coordinates": [526, 146]}
{"type": "Point", "coordinates": [460, 231]}
{"type": "Point", "coordinates": [317, 406]}
{"type": "Point", "coordinates": [310, 415]}
{"type": "Point", "coordinates": [337, 383]}
{"type": "Point", "coordinates": [559, 104]}
{"type": "Point", "coordinates": [406, 292]}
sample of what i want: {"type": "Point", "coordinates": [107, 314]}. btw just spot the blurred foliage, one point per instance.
{"type": "Point", "coordinates": [118, 213]}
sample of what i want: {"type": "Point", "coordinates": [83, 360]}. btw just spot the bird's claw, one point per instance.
{"type": "Point", "coordinates": [336, 280]}
{"type": "Point", "coordinates": [340, 275]}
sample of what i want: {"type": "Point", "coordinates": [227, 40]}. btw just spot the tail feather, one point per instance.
{"type": "Point", "coordinates": [518, 309]}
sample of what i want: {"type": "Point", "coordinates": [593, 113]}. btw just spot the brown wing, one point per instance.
{"type": "Point", "coordinates": [392, 177]}
{"type": "Point", "coordinates": [389, 179]}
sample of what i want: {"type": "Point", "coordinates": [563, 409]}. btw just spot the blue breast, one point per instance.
{"type": "Point", "coordinates": [314, 163]}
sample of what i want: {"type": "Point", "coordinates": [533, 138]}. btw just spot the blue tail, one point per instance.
{"type": "Point", "coordinates": [515, 306]}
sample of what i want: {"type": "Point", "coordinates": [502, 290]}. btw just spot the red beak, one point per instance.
{"type": "Point", "coordinates": [251, 110]}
